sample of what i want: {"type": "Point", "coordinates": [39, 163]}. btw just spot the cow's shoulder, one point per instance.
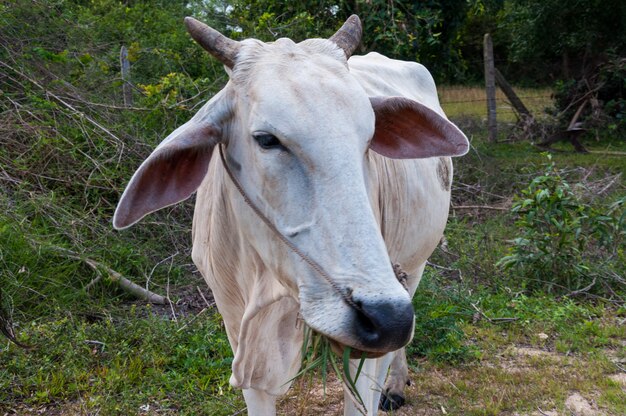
{"type": "Point", "coordinates": [382, 76]}
{"type": "Point", "coordinates": [379, 64]}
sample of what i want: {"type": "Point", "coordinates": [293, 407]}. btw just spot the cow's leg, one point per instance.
{"type": "Point", "coordinates": [393, 393]}
{"type": "Point", "coordinates": [369, 385]}
{"type": "Point", "coordinates": [259, 403]}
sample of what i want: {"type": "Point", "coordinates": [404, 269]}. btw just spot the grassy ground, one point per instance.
{"type": "Point", "coordinates": [142, 363]}
{"type": "Point", "coordinates": [98, 351]}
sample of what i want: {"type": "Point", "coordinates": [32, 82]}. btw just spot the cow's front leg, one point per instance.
{"type": "Point", "coordinates": [369, 385]}
{"type": "Point", "coordinates": [259, 403]}
{"type": "Point", "coordinates": [393, 394]}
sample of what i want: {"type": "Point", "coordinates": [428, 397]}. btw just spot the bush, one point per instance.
{"type": "Point", "coordinates": [565, 244]}
{"type": "Point", "coordinates": [440, 314]}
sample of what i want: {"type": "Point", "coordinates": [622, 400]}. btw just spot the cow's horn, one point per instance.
{"type": "Point", "coordinates": [218, 45]}
{"type": "Point", "coordinates": [348, 36]}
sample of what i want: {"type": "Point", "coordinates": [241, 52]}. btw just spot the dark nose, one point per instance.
{"type": "Point", "coordinates": [383, 325]}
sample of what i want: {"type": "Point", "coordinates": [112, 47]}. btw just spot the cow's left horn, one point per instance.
{"type": "Point", "coordinates": [218, 45]}
{"type": "Point", "coordinates": [348, 36]}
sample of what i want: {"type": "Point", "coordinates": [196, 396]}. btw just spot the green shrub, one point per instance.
{"type": "Point", "coordinates": [439, 317]}
{"type": "Point", "coordinates": [564, 244]}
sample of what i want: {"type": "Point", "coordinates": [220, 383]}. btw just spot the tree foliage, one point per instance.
{"type": "Point", "coordinates": [554, 39]}
{"type": "Point", "coordinates": [422, 31]}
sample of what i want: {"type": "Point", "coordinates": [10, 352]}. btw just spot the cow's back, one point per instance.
{"type": "Point", "coordinates": [410, 197]}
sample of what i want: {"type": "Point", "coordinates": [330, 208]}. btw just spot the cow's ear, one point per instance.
{"type": "Point", "coordinates": [406, 129]}
{"type": "Point", "coordinates": [170, 174]}
{"type": "Point", "coordinates": [176, 168]}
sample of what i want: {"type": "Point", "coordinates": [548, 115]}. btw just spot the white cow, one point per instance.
{"type": "Point", "coordinates": [347, 161]}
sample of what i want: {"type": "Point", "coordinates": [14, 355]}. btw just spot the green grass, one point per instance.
{"type": "Point", "coordinates": [439, 318]}
{"type": "Point", "coordinates": [116, 365]}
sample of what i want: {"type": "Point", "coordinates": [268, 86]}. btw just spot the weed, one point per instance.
{"type": "Point", "coordinates": [439, 316]}
{"type": "Point", "coordinates": [563, 241]}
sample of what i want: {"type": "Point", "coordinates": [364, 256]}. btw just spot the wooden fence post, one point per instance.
{"type": "Point", "coordinates": [126, 87]}
{"type": "Point", "coordinates": [490, 84]}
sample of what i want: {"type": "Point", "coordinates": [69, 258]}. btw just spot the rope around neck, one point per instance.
{"type": "Point", "coordinates": [346, 294]}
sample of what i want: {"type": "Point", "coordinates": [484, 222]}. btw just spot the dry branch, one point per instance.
{"type": "Point", "coordinates": [582, 291]}
{"type": "Point", "coordinates": [126, 284]}
{"type": "Point", "coordinates": [479, 207]}
{"type": "Point", "coordinates": [6, 326]}
{"type": "Point", "coordinates": [493, 320]}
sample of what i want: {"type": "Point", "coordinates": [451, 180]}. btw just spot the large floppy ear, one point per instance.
{"type": "Point", "coordinates": [175, 168]}
{"type": "Point", "coordinates": [406, 129]}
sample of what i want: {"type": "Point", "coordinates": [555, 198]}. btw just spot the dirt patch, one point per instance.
{"type": "Point", "coordinates": [516, 360]}
{"type": "Point", "coordinates": [313, 398]}
{"type": "Point", "coordinates": [580, 406]}
{"type": "Point", "coordinates": [531, 352]}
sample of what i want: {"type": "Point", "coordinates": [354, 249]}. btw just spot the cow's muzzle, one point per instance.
{"type": "Point", "coordinates": [382, 325]}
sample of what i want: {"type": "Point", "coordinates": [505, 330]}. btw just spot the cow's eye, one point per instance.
{"type": "Point", "coordinates": [268, 141]}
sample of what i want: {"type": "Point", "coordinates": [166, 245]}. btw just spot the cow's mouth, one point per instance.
{"type": "Point", "coordinates": [355, 353]}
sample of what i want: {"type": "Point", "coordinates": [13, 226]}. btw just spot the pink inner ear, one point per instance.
{"type": "Point", "coordinates": [406, 129]}
{"type": "Point", "coordinates": [169, 175]}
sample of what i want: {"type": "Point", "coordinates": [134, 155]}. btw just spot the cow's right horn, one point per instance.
{"type": "Point", "coordinates": [348, 36]}
{"type": "Point", "coordinates": [218, 45]}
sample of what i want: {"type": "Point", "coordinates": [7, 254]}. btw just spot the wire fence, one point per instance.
{"type": "Point", "coordinates": [460, 102]}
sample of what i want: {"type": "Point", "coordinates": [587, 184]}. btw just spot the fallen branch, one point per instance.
{"type": "Point", "coordinates": [615, 178]}
{"type": "Point", "coordinates": [208, 304]}
{"type": "Point", "coordinates": [493, 320]}
{"type": "Point", "coordinates": [478, 207]}
{"type": "Point", "coordinates": [447, 269]}
{"type": "Point", "coordinates": [130, 287]}
{"type": "Point", "coordinates": [192, 319]}
{"type": "Point", "coordinates": [584, 290]}
{"type": "Point", "coordinates": [110, 106]}
{"type": "Point", "coordinates": [6, 326]}
{"type": "Point", "coordinates": [607, 152]}
{"type": "Point", "coordinates": [542, 412]}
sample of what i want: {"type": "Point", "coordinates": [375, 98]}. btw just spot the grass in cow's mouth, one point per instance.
{"type": "Point", "coordinates": [319, 353]}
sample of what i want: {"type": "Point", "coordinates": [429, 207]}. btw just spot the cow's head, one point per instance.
{"type": "Point", "coordinates": [296, 126]}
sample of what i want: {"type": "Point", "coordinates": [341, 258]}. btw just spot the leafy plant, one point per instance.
{"type": "Point", "coordinates": [439, 317]}
{"type": "Point", "coordinates": [564, 243]}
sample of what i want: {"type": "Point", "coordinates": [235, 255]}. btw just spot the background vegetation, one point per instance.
{"type": "Point", "coordinates": [535, 246]}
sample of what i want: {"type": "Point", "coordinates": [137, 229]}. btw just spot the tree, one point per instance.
{"type": "Point", "coordinates": [551, 39]}
{"type": "Point", "coordinates": [401, 29]}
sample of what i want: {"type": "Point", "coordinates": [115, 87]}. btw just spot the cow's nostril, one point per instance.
{"type": "Point", "coordinates": [383, 325]}
{"type": "Point", "coordinates": [364, 321]}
